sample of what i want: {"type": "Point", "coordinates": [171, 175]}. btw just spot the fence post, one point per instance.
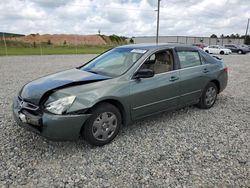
{"type": "Point", "coordinates": [76, 43]}
{"type": "Point", "coordinates": [6, 50]}
{"type": "Point", "coordinates": [41, 50]}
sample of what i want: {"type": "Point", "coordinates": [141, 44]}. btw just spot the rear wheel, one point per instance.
{"type": "Point", "coordinates": [222, 52]}
{"type": "Point", "coordinates": [209, 96]}
{"type": "Point", "coordinates": [207, 51]}
{"type": "Point", "coordinates": [103, 126]}
{"type": "Point", "coordinates": [240, 52]}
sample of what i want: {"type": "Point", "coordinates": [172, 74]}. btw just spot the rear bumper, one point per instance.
{"type": "Point", "coordinates": [50, 126]}
{"type": "Point", "coordinates": [245, 52]}
{"type": "Point", "coordinates": [223, 79]}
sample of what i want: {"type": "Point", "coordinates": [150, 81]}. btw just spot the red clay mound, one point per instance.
{"type": "Point", "coordinates": [61, 39]}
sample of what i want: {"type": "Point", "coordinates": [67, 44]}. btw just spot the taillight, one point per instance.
{"type": "Point", "coordinates": [226, 69]}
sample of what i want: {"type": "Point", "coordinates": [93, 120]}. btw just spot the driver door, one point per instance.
{"type": "Point", "coordinates": [158, 93]}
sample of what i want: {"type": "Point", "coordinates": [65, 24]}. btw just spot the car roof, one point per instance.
{"type": "Point", "coordinates": [148, 46]}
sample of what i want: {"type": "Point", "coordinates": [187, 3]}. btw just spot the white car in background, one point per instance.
{"type": "Point", "coordinates": [217, 49]}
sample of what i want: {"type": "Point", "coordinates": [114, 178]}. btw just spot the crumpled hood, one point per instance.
{"type": "Point", "coordinates": [34, 91]}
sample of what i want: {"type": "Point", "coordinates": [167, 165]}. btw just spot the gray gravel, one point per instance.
{"type": "Point", "coordinates": [185, 148]}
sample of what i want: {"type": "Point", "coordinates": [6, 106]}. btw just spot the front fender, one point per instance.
{"type": "Point", "coordinates": [91, 94]}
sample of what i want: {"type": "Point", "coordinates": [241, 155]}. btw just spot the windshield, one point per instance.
{"type": "Point", "coordinates": [114, 62]}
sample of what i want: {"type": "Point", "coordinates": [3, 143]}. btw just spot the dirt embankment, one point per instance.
{"type": "Point", "coordinates": [62, 39]}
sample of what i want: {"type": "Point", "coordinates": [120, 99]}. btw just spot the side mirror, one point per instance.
{"type": "Point", "coordinates": [144, 73]}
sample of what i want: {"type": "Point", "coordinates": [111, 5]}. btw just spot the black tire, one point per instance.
{"type": "Point", "coordinates": [207, 51]}
{"type": "Point", "coordinates": [222, 52]}
{"type": "Point", "coordinates": [205, 102]}
{"type": "Point", "coordinates": [91, 127]}
{"type": "Point", "coordinates": [240, 52]}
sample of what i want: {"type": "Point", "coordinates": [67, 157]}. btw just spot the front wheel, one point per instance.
{"type": "Point", "coordinates": [209, 96]}
{"type": "Point", "coordinates": [103, 125]}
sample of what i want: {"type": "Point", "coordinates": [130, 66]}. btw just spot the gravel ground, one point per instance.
{"type": "Point", "coordinates": [185, 148]}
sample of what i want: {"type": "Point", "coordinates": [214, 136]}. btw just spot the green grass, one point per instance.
{"type": "Point", "coordinates": [50, 50]}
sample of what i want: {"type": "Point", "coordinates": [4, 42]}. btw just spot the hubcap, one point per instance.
{"type": "Point", "coordinates": [104, 126]}
{"type": "Point", "coordinates": [210, 96]}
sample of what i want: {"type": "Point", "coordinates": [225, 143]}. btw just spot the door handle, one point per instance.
{"type": "Point", "coordinates": [205, 70]}
{"type": "Point", "coordinates": [173, 78]}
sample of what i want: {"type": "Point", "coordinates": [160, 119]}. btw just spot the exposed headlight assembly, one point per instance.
{"type": "Point", "coordinates": [60, 106]}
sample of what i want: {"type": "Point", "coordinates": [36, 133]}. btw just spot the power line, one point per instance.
{"type": "Point", "coordinates": [133, 9]}
{"type": "Point", "coordinates": [205, 12]}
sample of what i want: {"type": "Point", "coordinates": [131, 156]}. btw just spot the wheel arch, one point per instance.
{"type": "Point", "coordinates": [217, 83]}
{"type": "Point", "coordinates": [118, 105]}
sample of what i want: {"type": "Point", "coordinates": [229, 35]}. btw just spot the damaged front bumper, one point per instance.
{"type": "Point", "coordinates": [50, 126]}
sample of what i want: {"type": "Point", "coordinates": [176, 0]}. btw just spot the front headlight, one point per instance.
{"type": "Point", "coordinates": [61, 105]}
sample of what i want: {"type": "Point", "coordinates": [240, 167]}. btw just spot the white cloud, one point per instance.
{"type": "Point", "coordinates": [124, 17]}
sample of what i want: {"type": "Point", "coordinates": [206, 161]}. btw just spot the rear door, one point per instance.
{"type": "Point", "coordinates": [231, 47]}
{"type": "Point", "coordinates": [193, 75]}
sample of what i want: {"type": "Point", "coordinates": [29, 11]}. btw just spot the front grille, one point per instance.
{"type": "Point", "coordinates": [32, 113]}
{"type": "Point", "coordinates": [26, 105]}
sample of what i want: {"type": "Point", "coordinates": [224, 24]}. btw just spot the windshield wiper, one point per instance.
{"type": "Point", "coordinates": [99, 72]}
{"type": "Point", "coordinates": [92, 71]}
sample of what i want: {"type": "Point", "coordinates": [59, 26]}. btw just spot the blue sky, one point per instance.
{"type": "Point", "coordinates": [124, 17]}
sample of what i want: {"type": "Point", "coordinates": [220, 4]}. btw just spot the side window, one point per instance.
{"type": "Point", "coordinates": [159, 62]}
{"type": "Point", "coordinates": [205, 57]}
{"type": "Point", "coordinates": [189, 59]}
{"type": "Point", "coordinates": [213, 46]}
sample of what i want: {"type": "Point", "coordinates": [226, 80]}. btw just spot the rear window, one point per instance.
{"type": "Point", "coordinates": [206, 58]}
{"type": "Point", "coordinates": [189, 59]}
{"type": "Point", "coordinates": [232, 46]}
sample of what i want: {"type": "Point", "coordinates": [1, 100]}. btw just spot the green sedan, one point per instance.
{"type": "Point", "coordinates": [117, 87]}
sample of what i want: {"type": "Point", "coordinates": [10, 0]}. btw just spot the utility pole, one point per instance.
{"type": "Point", "coordinates": [158, 15]}
{"type": "Point", "coordinates": [247, 30]}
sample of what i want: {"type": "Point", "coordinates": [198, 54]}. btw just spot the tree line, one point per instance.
{"type": "Point", "coordinates": [233, 36]}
